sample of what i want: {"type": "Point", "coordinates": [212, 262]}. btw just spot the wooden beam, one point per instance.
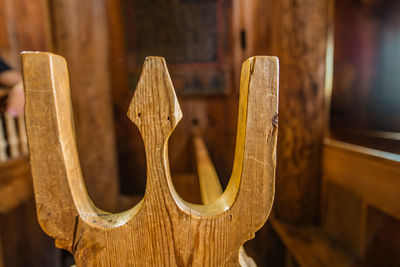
{"type": "Point", "coordinates": [300, 41]}
{"type": "Point", "coordinates": [81, 36]}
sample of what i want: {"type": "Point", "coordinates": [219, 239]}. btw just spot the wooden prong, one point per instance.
{"type": "Point", "coordinates": [154, 106]}
{"type": "Point", "coordinates": [45, 77]}
{"type": "Point", "coordinates": [60, 193]}
{"type": "Point", "coordinates": [211, 189]}
{"type": "Point", "coordinates": [251, 188]}
{"type": "Point", "coordinates": [155, 110]}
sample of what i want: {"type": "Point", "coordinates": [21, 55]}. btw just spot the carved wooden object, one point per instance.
{"type": "Point", "coordinates": [162, 229]}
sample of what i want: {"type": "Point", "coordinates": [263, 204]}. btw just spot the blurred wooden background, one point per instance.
{"type": "Point", "coordinates": [328, 211]}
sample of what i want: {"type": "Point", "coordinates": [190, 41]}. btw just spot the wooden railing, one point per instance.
{"type": "Point", "coordinates": [15, 178]}
{"type": "Point", "coordinates": [13, 139]}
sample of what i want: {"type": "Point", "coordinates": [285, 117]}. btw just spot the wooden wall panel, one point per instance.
{"type": "Point", "coordinates": [130, 148]}
{"type": "Point", "coordinates": [81, 36]}
{"type": "Point", "coordinates": [9, 52]}
{"type": "Point", "coordinates": [24, 26]}
{"type": "Point", "coordinates": [4, 43]}
{"type": "Point", "coordinates": [191, 35]}
{"type": "Point", "coordinates": [33, 25]}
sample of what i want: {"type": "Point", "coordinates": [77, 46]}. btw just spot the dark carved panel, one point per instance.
{"type": "Point", "coordinates": [190, 34]}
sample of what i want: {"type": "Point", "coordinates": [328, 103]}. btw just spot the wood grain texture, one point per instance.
{"type": "Point", "coordinates": [78, 26]}
{"type": "Point", "coordinates": [162, 229]}
{"type": "Point", "coordinates": [299, 39]}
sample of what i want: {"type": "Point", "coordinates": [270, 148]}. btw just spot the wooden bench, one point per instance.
{"type": "Point", "coordinates": [360, 192]}
{"type": "Point", "coordinates": [360, 201]}
{"type": "Point", "coordinates": [162, 229]}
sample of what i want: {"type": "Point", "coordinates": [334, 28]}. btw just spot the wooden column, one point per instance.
{"type": "Point", "coordinates": [300, 40]}
{"type": "Point", "coordinates": [81, 35]}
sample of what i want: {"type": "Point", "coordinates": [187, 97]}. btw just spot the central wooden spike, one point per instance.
{"type": "Point", "coordinates": [155, 111]}
{"type": "Point", "coordinates": [154, 107]}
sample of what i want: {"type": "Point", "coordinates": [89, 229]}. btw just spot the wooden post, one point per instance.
{"type": "Point", "coordinates": [300, 41]}
{"type": "Point", "coordinates": [81, 36]}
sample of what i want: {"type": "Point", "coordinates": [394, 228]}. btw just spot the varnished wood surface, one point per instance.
{"type": "Point", "coordinates": [162, 229]}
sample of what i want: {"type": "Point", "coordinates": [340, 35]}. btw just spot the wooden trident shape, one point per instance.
{"type": "Point", "coordinates": [163, 229]}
